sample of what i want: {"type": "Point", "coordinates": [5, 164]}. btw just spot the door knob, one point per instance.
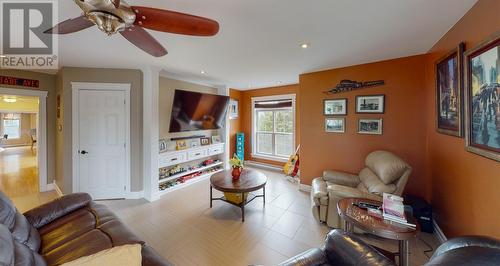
{"type": "Point", "coordinates": [84, 152]}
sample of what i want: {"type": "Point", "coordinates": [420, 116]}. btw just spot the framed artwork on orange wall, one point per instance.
{"type": "Point", "coordinates": [449, 92]}
{"type": "Point", "coordinates": [482, 99]}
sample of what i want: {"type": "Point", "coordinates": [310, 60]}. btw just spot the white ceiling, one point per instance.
{"type": "Point", "coordinates": [259, 41]}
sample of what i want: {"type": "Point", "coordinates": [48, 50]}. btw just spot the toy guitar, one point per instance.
{"type": "Point", "coordinates": [291, 168]}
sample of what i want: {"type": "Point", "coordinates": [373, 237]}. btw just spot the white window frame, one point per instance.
{"type": "Point", "coordinates": [254, 153]}
{"type": "Point", "coordinates": [19, 130]}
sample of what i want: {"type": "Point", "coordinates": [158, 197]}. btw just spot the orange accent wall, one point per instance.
{"type": "Point", "coordinates": [403, 121]}
{"type": "Point", "coordinates": [464, 186]}
{"type": "Point", "coordinates": [244, 122]}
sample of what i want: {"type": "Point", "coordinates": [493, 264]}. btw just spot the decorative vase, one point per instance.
{"type": "Point", "coordinates": [236, 173]}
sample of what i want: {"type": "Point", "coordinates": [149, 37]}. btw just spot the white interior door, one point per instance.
{"type": "Point", "coordinates": [102, 146]}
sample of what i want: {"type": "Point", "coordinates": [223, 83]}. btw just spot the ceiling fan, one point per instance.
{"type": "Point", "coordinates": [116, 16]}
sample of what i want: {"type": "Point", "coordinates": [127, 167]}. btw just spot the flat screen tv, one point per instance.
{"type": "Point", "coordinates": [194, 111]}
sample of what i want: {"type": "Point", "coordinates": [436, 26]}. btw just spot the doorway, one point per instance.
{"type": "Point", "coordinates": [101, 139]}
{"type": "Point", "coordinates": [23, 134]}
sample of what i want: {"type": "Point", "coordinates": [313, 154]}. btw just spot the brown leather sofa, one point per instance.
{"type": "Point", "coordinates": [63, 230]}
{"type": "Point", "coordinates": [342, 248]}
{"type": "Point", "coordinates": [383, 172]}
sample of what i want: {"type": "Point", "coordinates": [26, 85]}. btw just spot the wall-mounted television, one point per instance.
{"type": "Point", "coordinates": [192, 111]}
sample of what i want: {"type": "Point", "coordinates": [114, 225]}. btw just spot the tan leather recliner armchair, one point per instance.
{"type": "Point", "coordinates": [384, 173]}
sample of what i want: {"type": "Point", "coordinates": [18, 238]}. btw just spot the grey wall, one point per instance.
{"type": "Point", "coordinates": [64, 137]}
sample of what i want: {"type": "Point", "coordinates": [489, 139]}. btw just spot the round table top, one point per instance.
{"type": "Point", "coordinates": [250, 180]}
{"type": "Point", "coordinates": [374, 225]}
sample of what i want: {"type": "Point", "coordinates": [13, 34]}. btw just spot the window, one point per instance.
{"type": "Point", "coordinates": [274, 127]}
{"type": "Point", "coordinates": [11, 124]}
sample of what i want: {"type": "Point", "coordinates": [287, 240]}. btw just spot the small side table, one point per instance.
{"type": "Point", "coordinates": [354, 216]}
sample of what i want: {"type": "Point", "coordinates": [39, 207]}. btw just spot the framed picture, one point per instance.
{"type": "Point", "coordinates": [335, 125]}
{"type": "Point", "coordinates": [181, 145]}
{"type": "Point", "coordinates": [233, 109]}
{"type": "Point", "coordinates": [171, 145]}
{"type": "Point", "coordinates": [194, 143]}
{"type": "Point", "coordinates": [370, 104]}
{"type": "Point", "coordinates": [449, 82]}
{"type": "Point", "coordinates": [482, 99]}
{"type": "Point", "coordinates": [335, 107]}
{"type": "Point", "coordinates": [370, 126]}
{"type": "Point", "coordinates": [163, 145]}
{"type": "Point", "coordinates": [205, 141]}
{"type": "Point", "coordinates": [216, 139]}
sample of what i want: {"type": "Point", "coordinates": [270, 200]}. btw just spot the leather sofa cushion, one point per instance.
{"type": "Point", "coordinates": [373, 184]}
{"type": "Point", "coordinates": [83, 232]}
{"type": "Point", "coordinates": [18, 225]}
{"type": "Point", "coordinates": [387, 166]}
{"type": "Point", "coordinates": [126, 255]}
{"type": "Point", "coordinates": [14, 253]}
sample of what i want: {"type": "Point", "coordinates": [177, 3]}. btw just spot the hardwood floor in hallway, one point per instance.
{"type": "Point", "coordinates": [19, 178]}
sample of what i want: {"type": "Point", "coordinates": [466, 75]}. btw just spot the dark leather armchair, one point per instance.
{"type": "Point", "coordinates": [467, 250]}
{"type": "Point", "coordinates": [341, 248]}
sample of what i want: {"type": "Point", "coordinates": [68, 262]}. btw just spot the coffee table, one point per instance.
{"type": "Point", "coordinates": [250, 180]}
{"type": "Point", "coordinates": [354, 216]}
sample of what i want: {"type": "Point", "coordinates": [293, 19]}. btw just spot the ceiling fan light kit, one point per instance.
{"type": "Point", "coordinates": [116, 16]}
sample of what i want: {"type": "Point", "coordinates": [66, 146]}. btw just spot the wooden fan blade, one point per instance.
{"type": "Point", "coordinates": [71, 25]}
{"type": "Point", "coordinates": [143, 40]}
{"type": "Point", "coordinates": [174, 22]}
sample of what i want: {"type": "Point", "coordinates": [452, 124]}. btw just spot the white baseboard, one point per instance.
{"type": "Point", "coordinates": [135, 194]}
{"type": "Point", "coordinates": [263, 166]}
{"type": "Point", "coordinates": [305, 188]}
{"type": "Point", "coordinates": [54, 186]}
{"type": "Point", "coordinates": [438, 232]}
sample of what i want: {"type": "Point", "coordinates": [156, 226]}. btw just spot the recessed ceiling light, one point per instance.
{"type": "Point", "coordinates": [305, 45]}
{"type": "Point", "coordinates": [10, 100]}
{"type": "Point", "coordinates": [2, 56]}
{"type": "Point", "coordinates": [203, 72]}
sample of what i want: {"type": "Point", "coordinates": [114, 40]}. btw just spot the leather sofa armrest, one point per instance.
{"type": "Point", "coordinates": [343, 248]}
{"type": "Point", "coordinates": [151, 258]}
{"type": "Point", "coordinates": [47, 213]}
{"type": "Point", "coordinates": [311, 257]}
{"type": "Point", "coordinates": [319, 190]}
{"type": "Point", "coordinates": [467, 241]}
{"type": "Point", "coordinates": [341, 178]}
{"type": "Point", "coordinates": [339, 191]}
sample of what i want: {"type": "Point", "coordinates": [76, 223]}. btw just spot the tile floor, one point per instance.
{"type": "Point", "coordinates": [183, 229]}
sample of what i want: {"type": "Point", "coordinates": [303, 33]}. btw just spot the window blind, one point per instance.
{"type": "Point", "coordinates": [273, 104]}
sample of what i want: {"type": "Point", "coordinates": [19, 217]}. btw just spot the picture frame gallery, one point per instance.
{"type": "Point", "coordinates": [365, 104]}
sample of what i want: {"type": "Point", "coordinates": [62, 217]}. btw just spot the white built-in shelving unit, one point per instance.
{"type": "Point", "coordinates": [191, 159]}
